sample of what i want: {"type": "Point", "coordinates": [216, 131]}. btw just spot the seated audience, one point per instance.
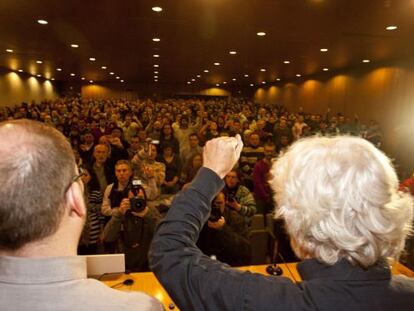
{"type": "Point", "coordinates": [251, 153]}
{"type": "Point", "coordinates": [238, 197]}
{"type": "Point", "coordinates": [224, 235]}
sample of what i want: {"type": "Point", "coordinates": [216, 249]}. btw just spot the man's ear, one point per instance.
{"type": "Point", "coordinates": [75, 201]}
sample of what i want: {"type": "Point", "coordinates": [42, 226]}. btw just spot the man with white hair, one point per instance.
{"type": "Point", "coordinates": [339, 197]}
{"type": "Point", "coordinates": [42, 213]}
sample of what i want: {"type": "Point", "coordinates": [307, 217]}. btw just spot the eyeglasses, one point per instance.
{"type": "Point", "coordinates": [82, 172]}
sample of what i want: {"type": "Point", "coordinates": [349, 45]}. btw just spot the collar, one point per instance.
{"type": "Point", "coordinates": [18, 270]}
{"type": "Point", "coordinates": [343, 270]}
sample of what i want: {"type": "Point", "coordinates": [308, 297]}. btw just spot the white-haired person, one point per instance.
{"type": "Point", "coordinates": [347, 221]}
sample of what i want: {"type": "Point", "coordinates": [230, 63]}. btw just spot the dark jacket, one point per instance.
{"type": "Point", "coordinates": [136, 236]}
{"type": "Point", "coordinates": [196, 282]}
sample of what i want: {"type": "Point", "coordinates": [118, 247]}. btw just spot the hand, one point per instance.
{"type": "Point", "coordinates": [148, 172]}
{"type": "Point", "coordinates": [221, 154]}
{"type": "Point", "coordinates": [234, 205]}
{"type": "Point", "coordinates": [124, 206]}
{"type": "Point", "coordinates": [217, 225]}
{"type": "Point", "coordinates": [116, 142]}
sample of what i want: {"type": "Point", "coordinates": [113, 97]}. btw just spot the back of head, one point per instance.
{"type": "Point", "coordinates": [339, 197]}
{"type": "Point", "coordinates": [36, 168]}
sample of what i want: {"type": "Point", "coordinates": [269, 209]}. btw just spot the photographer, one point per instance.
{"type": "Point", "coordinates": [224, 235]}
{"type": "Point", "coordinates": [135, 223]}
{"type": "Point", "coordinates": [239, 197]}
{"type": "Point", "coordinates": [116, 192]}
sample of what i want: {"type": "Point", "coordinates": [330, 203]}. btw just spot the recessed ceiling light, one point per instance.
{"type": "Point", "coordinates": [205, 70]}
{"type": "Point", "coordinates": [104, 67]}
{"type": "Point", "coordinates": [278, 79]}
{"type": "Point", "coordinates": [366, 61]}
{"type": "Point", "coordinates": [38, 75]}
{"type": "Point", "coordinates": [157, 9]}
{"type": "Point", "coordinates": [193, 80]}
{"type": "Point", "coordinates": [325, 69]}
{"type": "Point", "coordinates": [263, 82]}
{"type": "Point", "coordinates": [42, 22]}
{"type": "Point", "coordinates": [198, 76]}
{"type": "Point", "coordinates": [9, 51]}
{"type": "Point", "coordinates": [39, 62]}
{"type": "Point", "coordinates": [122, 81]}
{"type": "Point", "coordinates": [156, 39]}
{"type": "Point", "coordinates": [217, 84]}
{"type": "Point", "coordinates": [83, 78]}
{"type": "Point", "coordinates": [75, 46]}
{"type": "Point", "coordinates": [233, 52]}
{"type": "Point", "coordinates": [155, 77]}
{"type": "Point", "coordinates": [20, 70]}
{"type": "Point", "coordinates": [155, 72]}
{"type": "Point", "coordinates": [188, 82]}
{"type": "Point", "coordinates": [216, 64]}
{"type": "Point", "coordinates": [261, 33]}
{"type": "Point", "coordinates": [298, 75]}
{"type": "Point", "coordinates": [286, 62]}
{"type": "Point", "coordinates": [234, 79]}
{"type": "Point", "coordinates": [59, 69]}
{"type": "Point", "coordinates": [392, 27]}
{"type": "Point", "coordinates": [324, 50]}
{"type": "Point", "coordinates": [117, 78]}
{"type": "Point", "coordinates": [246, 75]}
{"type": "Point", "coordinates": [155, 55]}
{"type": "Point", "coordinates": [224, 82]}
{"type": "Point", "coordinates": [251, 84]}
{"type": "Point", "coordinates": [111, 73]}
{"type": "Point", "coordinates": [53, 79]}
{"type": "Point", "coordinates": [90, 81]}
{"type": "Point", "coordinates": [263, 69]}
{"type": "Point", "coordinates": [72, 74]}
{"type": "Point", "coordinates": [155, 65]}
{"type": "Point", "coordinates": [92, 59]}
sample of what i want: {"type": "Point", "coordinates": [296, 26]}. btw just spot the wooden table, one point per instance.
{"type": "Point", "coordinates": [147, 282]}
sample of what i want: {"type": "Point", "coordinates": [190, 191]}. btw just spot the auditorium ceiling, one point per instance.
{"type": "Point", "coordinates": [87, 40]}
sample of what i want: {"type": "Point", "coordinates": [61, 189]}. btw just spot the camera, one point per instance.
{"type": "Point", "coordinates": [137, 204]}
{"type": "Point", "coordinates": [215, 213]}
{"type": "Point", "coordinates": [230, 196]}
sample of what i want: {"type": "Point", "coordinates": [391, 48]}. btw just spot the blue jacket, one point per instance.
{"type": "Point", "coordinates": [196, 282]}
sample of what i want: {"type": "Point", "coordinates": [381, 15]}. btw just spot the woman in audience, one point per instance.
{"type": "Point", "coordinates": [167, 137]}
{"type": "Point", "coordinates": [173, 165]}
{"type": "Point", "coordinates": [191, 168]}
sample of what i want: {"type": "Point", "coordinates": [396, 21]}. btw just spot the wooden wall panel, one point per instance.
{"type": "Point", "coordinates": [15, 89]}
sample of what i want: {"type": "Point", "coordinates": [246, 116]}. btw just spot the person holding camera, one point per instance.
{"type": "Point", "coordinates": [224, 236]}
{"type": "Point", "coordinates": [131, 219]}
{"type": "Point", "coordinates": [238, 197]}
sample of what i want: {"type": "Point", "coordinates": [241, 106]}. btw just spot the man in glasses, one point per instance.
{"type": "Point", "coordinates": [42, 214]}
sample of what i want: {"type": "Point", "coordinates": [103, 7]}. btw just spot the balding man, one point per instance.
{"type": "Point", "coordinates": [42, 214]}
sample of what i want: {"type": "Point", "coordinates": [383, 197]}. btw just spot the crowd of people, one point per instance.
{"type": "Point", "coordinates": [137, 155]}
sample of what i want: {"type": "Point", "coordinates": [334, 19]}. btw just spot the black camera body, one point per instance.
{"type": "Point", "coordinates": [137, 204]}
{"type": "Point", "coordinates": [230, 196]}
{"type": "Point", "coordinates": [215, 213]}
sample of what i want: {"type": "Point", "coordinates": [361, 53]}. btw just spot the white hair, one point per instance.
{"type": "Point", "coordinates": [339, 197]}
